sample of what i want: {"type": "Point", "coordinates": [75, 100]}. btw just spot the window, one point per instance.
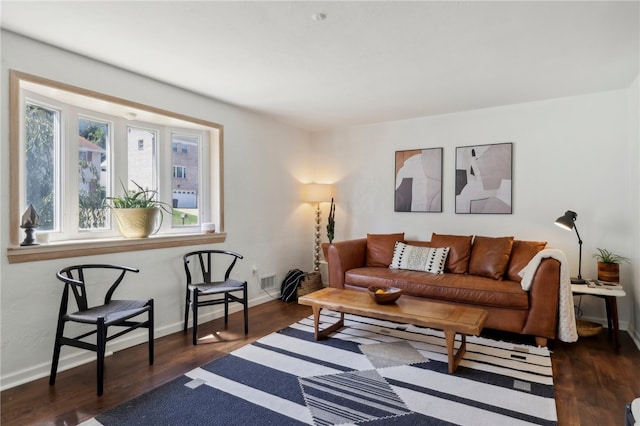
{"type": "Point", "coordinates": [185, 187]}
{"type": "Point", "coordinates": [42, 139]}
{"type": "Point", "coordinates": [93, 172]}
{"type": "Point", "coordinates": [179, 172]}
{"type": "Point", "coordinates": [142, 165]}
{"type": "Point", "coordinates": [111, 152]}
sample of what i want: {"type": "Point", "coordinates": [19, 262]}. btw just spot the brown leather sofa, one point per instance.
{"type": "Point", "coordinates": [480, 272]}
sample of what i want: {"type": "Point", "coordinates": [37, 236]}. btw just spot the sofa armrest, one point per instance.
{"type": "Point", "coordinates": [343, 256]}
{"type": "Point", "coordinates": [544, 296]}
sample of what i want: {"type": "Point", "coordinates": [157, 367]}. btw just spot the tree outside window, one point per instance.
{"type": "Point", "coordinates": [41, 137]}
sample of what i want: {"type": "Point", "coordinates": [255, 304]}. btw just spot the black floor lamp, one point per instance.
{"type": "Point", "coordinates": [568, 222]}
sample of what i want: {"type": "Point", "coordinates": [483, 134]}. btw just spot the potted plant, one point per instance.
{"type": "Point", "coordinates": [137, 212]}
{"type": "Point", "coordinates": [331, 224]}
{"type": "Point", "coordinates": [609, 265]}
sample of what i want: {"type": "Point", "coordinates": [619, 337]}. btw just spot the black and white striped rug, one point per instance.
{"type": "Point", "coordinates": [370, 372]}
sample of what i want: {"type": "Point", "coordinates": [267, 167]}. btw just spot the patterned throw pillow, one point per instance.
{"type": "Point", "coordinates": [427, 259]}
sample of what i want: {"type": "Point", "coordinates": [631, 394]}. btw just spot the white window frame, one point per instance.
{"type": "Point", "coordinates": [182, 169]}
{"type": "Point", "coordinates": [76, 243]}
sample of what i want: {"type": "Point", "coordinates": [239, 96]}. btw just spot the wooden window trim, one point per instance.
{"type": "Point", "coordinates": [76, 248]}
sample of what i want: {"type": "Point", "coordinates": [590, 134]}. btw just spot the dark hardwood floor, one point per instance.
{"type": "Point", "coordinates": [592, 382]}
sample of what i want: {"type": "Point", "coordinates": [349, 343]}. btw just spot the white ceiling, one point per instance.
{"type": "Point", "coordinates": [366, 62]}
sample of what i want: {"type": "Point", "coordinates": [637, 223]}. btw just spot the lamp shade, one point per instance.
{"type": "Point", "coordinates": [316, 192]}
{"type": "Point", "coordinates": [567, 221]}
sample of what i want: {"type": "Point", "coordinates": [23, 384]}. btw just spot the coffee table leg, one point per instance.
{"type": "Point", "coordinates": [320, 334]}
{"type": "Point", "coordinates": [454, 359]}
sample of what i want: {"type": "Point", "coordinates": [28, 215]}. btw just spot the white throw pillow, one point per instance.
{"type": "Point", "coordinates": [415, 258]}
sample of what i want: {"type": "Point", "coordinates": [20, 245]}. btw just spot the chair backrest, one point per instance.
{"type": "Point", "coordinates": [74, 279]}
{"type": "Point", "coordinates": [204, 260]}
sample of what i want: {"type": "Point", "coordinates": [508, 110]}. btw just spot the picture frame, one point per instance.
{"type": "Point", "coordinates": [418, 180]}
{"type": "Point", "coordinates": [484, 176]}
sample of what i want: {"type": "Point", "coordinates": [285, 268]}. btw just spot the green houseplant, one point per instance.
{"type": "Point", "coordinates": [138, 212]}
{"type": "Point", "coordinates": [331, 226]}
{"type": "Point", "coordinates": [331, 222]}
{"type": "Point", "coordinates": [609, 265]}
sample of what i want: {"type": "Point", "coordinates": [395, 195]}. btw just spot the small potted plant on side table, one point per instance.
{"type": "Point", "coordinates": [609, 265]}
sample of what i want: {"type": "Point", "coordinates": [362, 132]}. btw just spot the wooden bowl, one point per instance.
{"type": "Point", "coordinates": [385, 295]}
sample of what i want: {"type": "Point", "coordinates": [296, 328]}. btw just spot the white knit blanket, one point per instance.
{"type": "Point", "coordinates": [567, 331]}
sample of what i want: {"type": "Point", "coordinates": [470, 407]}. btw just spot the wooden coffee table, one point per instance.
{"type": "Point", "coordinates": [451, 319]}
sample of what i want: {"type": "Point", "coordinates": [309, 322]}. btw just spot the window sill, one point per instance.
{"type": "Point", "coordinates": [62, 250]}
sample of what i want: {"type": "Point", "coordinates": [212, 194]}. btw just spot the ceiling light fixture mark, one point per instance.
{"type": "Point", "coordinates": [319, 17]}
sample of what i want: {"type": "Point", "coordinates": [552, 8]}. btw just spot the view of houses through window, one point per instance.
{"type": "Point", "coordinates": [141, 158]}
{"type": "Point", "coordinates": [103, 168]}
{"type": "Point", "coordinates": [184, 182]}
{"type": "Point", "coordinates": [93, 173]}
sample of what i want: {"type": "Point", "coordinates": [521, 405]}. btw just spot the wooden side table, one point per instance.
{"type": "Point", "coordinates": [609, 293]}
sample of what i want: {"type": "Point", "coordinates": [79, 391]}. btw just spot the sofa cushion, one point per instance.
{"type": "Point", "coordinates": [457, 288]}
{"type": "Point", "coordinates": [490, 256]}
{"type": "Point", "coordinates": [521, 253]}
{"type": "Point", "coordinates": [459, 251]}
{"type": "Point", "coordinates": [380, 248]}
{"type": "Point", "coordinates": [427, 259]}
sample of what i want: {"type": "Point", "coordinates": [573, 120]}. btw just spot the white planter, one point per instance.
{"type": "Point", "coordinates": [137, 223]}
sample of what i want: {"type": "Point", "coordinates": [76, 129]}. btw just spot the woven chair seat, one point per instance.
{"type": "Point", "coordinates": [113, 312]}
{"type": "Point", "coordinates": [217, 287]}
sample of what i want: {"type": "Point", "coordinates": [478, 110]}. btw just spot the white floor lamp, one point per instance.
{"type": "Point", "coordinates": [317, 193]}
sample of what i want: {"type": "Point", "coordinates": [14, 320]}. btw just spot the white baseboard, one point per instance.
{"type": "Point", "coordinates": [634, 336]}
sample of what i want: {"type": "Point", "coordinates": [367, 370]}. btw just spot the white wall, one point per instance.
{"type": "Point", "coordinates": [634, 200]}
{"type": "Point", "coordinates": [264, 163]}
{"type": "Point", "coordinates": [571, 153]}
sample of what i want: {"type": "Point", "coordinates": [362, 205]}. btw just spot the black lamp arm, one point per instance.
{"type": "Point", "coordinates": [579, 253]}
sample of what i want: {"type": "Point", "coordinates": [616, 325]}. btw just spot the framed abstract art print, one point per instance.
{"type": "Point", "coordinates": [418, 180]}
{"type": "Point", "coordinates": [483, 178]}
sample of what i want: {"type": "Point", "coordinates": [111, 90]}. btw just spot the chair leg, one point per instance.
{"type": "Point", "coordinates": [151, 326]}
{"type": "Point", "coordinates": [101, 341]}
{"type": "Point", "coordinates": [246, 309]}
{"type": "Point", "coordinates": [226, 308]}
{"type": "Point", "coordinates": [187, 302]}
{"type": "Point", "coordinates": [195, 316]}
{"type": "Point", "coordinates": [56, 351]}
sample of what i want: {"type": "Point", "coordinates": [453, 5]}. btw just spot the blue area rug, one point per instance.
{"type": "Point", "coordinates": [370, 372]}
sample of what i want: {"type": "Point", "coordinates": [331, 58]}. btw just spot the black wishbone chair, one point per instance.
{"type": "Point", "coordinates": [113, 313]}
{"type": "Point", "coordinates": [204, 290]}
